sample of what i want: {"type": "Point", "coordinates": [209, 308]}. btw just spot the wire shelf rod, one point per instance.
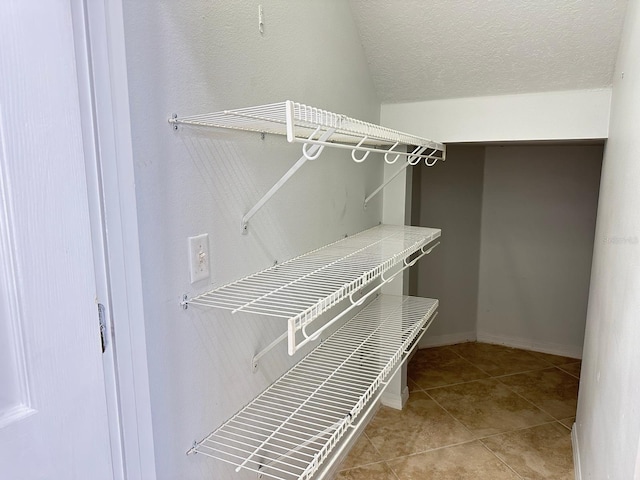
{"type": "Point", "coordinates": [362, 148]}
{"type": "Point", "coordinates": [302, 405]}
{"type": "Point", "coordinates": [346, 383]}
{"type": "Point", "coordinates": [297, 120]}
{"type": "Point", "coordinates": [276, 292]}
{"type": "Point", "coordinates": [275, 449]}
{"type": "Point", "coordinates": [315, 334]}
{"type": "Point", "coordinates": [285, 438]}
{"type": "Point", "coordinates": [317, 436]}
{"type": "Point", "coordinates": [333, 405]}
{"type": "Point", "coordinates": [294, 423]}
{"type": "Point", "coordinates": [267, 428]}
{"type": "Point", "coordinates": [334, 393]}
{"type": "Point", "coordinates": [256, 358]}
{"type": "Point", "coordinates": [323, 266]}
{"type": "Point", "coordinates": [287, 406]}
{"type": "Point", "coordinates": [288, 400]}
{"type": "Point", "coordinates": [239, 442]}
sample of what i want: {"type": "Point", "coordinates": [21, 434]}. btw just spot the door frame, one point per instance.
{"type": "Point", "coordinates": [104, 105]}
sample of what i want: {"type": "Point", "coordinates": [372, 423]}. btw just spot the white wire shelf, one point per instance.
{"type": "Point", "coordinates": [303, 288]}
{"type": "Point", "coordinates": [316, 129]}
{"type": "Point", "coordinates": [305, 124]}
{"type": "Point", "coordinates": [289, 430]}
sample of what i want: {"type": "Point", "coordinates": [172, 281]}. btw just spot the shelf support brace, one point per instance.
{"type": "Point", "coordinates": [379, 189]}
{"type": "Point", "coordinates": [311, 154]}
{"type": "Point", "coordinates": [412, 159]}
{"type": "Point", "coordinates": [256, 358]}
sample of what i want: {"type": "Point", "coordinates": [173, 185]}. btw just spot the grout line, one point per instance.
{"type": "Point", "coordinates": [520, 429]}
{"type": "Point", "coordinates": [501, 460]}
{"type": "Point", "coordinates": [560, 422]}
{"type": "Point", "coordinates": [569, 373]}
{"type": "Point", "coordinates": [523, 372]}
{"type": "Point", "coordinates": [362, 465]}
{"type": "Point", "coordinates": [393, 472]}
{"type": "Point", "coordinates": [451, 415]}
{"type": "Point", "coordinates": [428, 450]}
{"type": "Point", "coordinates": [453, 384]}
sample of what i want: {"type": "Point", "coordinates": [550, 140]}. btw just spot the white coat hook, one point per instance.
{"type": "Point", "coordinates": [318, 148]}
{"type": "Point", "coordinates": [311, 338]}
{"type": "Point", "coordinates": [353, 152]}
{"type": "Point", "coordinates": [356, 302]}
{"type": "Point", "coordinates": [413, 262]}
{"type": "Point", "coordinates": [386, 155]}
{"type": "Point", "coordinates": [415, 156]}
{"type": "Point", "coordinates": [432, 163]}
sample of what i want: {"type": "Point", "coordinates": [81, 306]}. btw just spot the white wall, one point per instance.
{"type": "Point", "coordinates": [579, 114]}
{"type": "Point", "coordinates": [608, 419]}
{"type": "Point", "coordinates": [196, 57]}
{"type": "Point", "coordinates": [538, 223]}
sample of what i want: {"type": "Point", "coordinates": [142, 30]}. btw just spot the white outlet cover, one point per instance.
{"type": "Point", "coordinates": [199, 257]}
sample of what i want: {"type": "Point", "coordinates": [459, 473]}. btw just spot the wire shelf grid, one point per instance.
{"type": "Point", "coordinates": [289, 430]}
{"type": "Point", "coordinates": [303, 288]}
{"type": "Point", "coordinates": [306, 124]}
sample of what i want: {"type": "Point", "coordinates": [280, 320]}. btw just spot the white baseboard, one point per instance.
{"type": "Point", "coordinates": [576, 452]}
{"type": "Point", "coordinates": [395, 401]}
{"type": "Point", "coordinates": [451, 339]}
{"type": "Point", "coordinates": [548, 347]}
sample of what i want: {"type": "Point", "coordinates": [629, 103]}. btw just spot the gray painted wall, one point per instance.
{"type": "Point", "coordinates": [449, 196]}
{"type": "Point", "coordinates": [197, 57]}
{"type": "Point", "coordinates": [518, 228]}
{"type": "Point", "coordinates": [538, 223]}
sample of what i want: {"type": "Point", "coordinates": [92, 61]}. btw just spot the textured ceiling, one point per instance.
{"type": "Point", "coordinates": [430, 49]}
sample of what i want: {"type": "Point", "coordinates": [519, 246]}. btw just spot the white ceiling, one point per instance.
{"type": "Point", "coordinates": [430, 49]}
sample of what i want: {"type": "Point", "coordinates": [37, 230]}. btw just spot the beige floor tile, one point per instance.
{"type": "Point", "coordinates": [470, 461]}
{"type": "Point", "coordinates": [497, 359]}
{"type": "Point", "coordinates": [440, 366]}
{"type": "Point", "coordinates": [437, 355]}
{"type": "Point", "coordinates": [374, 471]}
{"type": "Point", "coordinates": [487, 407]}
{"type": "Point", "coordinates": [421, 425]}
{"type": "Point", "coordinates": [572, 368]}
{"type": "Point", "coordinates": [554, 391]}
{"type": "Point", "coordinates": [362, 453]}
{"type": "Point", "coordinates": [537, 453]}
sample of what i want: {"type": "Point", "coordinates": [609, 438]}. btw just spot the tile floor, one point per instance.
{"type": "Point", "coordinates": [475, 411]}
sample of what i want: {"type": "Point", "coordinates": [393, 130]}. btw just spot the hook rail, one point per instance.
{"type": "Point", "coordinates": [413, 158]}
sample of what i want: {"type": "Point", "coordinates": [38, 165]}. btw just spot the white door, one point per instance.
{"type": "Point", "coordinates": [53, 415]}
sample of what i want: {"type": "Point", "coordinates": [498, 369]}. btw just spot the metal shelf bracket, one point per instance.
{"type": "Point", "coordinates": [311, 153]}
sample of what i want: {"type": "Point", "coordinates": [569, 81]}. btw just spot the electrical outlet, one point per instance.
{"type": "Point", "coordinates": [199, 257]}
